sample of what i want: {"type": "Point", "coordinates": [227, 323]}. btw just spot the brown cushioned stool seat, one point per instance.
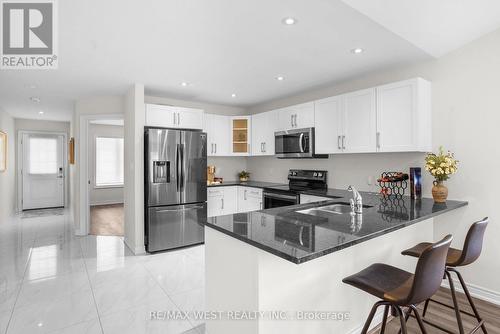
{"type": "Point", "coordinates": [452, 259]}
{"type": "Point", "coordinates": [383, 281]}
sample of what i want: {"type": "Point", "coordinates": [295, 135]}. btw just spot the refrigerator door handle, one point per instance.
{"type": "Point", "coordinates": [177, 161]}
{"type": "Point", "coordinates": [181, 146]}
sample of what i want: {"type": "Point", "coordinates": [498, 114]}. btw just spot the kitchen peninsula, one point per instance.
{"type": "Point", "coordinates": [292, 259]}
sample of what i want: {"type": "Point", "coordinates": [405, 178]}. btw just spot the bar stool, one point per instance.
{"type": "Point", "coordinates": [398, 288]}
{"type": "Point", "coordinates": [458, 258]}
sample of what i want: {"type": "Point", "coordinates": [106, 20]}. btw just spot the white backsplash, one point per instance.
{"type": "Point", "coordinates": [228, 167]}
{"type": "Point", "coordinates": [343, 169]}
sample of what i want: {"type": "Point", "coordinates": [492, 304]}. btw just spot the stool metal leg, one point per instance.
{"type": "Point", "coordinates": [419, 319]}
{"type": "Point", "coordinates": [469, 298]}
{"type": "Point", "coordinates": [407, 316]}
{"type": "Point", "coordinates": [455, 303]}
{"type": "Point", "coordinates": [384, 319]}
{"type": "Point", "coordinates": [425, 307]}
{"type": "Point", "coordinates": [371, 315]}
{"type": "Point", "coordinates": [402, 320]}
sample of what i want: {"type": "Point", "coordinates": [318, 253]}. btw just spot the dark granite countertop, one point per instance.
{"type": "Point", "coordinates": [254, 184]}
{"type": "Point", "coordinates": [299, 237]}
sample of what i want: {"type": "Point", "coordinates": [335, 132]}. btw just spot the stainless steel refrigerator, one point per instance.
{"type": "Point", "coordinates": [175, 188]}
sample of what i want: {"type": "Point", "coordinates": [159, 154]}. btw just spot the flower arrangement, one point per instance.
{"type": "Point", "coordinates": [441, 165]}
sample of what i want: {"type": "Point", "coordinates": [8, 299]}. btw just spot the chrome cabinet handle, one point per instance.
{"type": "Point", "coordinates": [378, 139]}
{"type": "Point", "coordinates": [291, 120]}
{"type": "Point", "coordinates": [215, 148]}
{"type": "Point", "coordinates": [296, 120]}
{"type": "Point", "coordinates": [343, 142]}
{"type": "Point", "coordinates": [222, 203]}
{"type": "Point", "coordinates": [245, 195]}
{"type": "Point", "coordinates": [338, 143]}
{"type": "Point", "coordinates": [264, 147]}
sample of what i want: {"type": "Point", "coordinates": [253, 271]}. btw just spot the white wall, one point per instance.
{"type": "Point", "coordinates": [134, 168]}
{"type": "Point", "coordinates": [99, 105]}
{"type": "Point", "coordinates": [8, 178]}
{"type": "Point", "coordinates": [99, 195]}
{"type": "Point", "coordinates": [466, 117]}
{"type": "Point", "coordinates": [228, 167]}
{"type": "Point", "coordinates": [41, 126]}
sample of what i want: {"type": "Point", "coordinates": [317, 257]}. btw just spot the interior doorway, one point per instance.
{"type": "Point", "coordinates": [42, 170]}
{"type": "Point", "coordinates": [105, 142]}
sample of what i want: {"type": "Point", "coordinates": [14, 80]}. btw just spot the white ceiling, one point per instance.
{"type": "Point", "coordinates": [219, 46]}
{"type": "Point", "coordinates": [435, 26]}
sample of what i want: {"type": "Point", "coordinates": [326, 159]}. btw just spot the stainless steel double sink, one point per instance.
{"type": "Point", "coordinates": [339, 208]}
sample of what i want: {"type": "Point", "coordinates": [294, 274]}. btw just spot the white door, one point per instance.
{"type": "Point", "coordinates": [162, 116]}
{"type": "Point", "coordinates": [360, 123]}
{"type": "Point", "coordinates": [188, 118]}
{"type": "Point", "coordinates": [218, 140]}
{"type": "Point", "coordinates": [328, 125]}
{"type": "Point", "coordinates": [303, 115]}
{"type": "Point", "coordinates": [263, 128]}
{"type": "Point", "coordinates": [396, 116]}
{"type": "Point", "coordinates": [43, 171]}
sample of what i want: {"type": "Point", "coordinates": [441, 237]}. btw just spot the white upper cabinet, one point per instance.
{"type": "Point", "coordinates": [328, 129]}
{"type": "Point", "coordinates": [359, 122]}
{"type": "Point", "coordinates": [263, 128]}
{"type": "Point", "coordinates": [296, 117]}
{"type": "Point", "coordinates": [173, 117]}
{"type": "Point", "coordinates": [389, 118]}
{"type": "Point", "coordinates": [218, 138]}
{"type": "Point", "coordinates": [404, 116]}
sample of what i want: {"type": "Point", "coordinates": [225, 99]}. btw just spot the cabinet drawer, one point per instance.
{"type": "Point", "coordinates": [215, 192]}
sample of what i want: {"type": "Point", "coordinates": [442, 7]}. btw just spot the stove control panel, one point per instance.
{"type": "Point", "coordinates": [313, 175]}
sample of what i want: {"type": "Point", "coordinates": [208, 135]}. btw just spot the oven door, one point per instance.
{"type": "Point", "coordinates": [294, 143]}
{"type": "Point", "coordinates": [276, 200]}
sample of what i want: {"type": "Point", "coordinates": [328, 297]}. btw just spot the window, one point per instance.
{"type": "Point", "coordinates": [42, 155]}
{"type": "Point", "coordinates": [109, 162]}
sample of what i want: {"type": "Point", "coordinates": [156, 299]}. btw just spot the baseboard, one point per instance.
{"type": "Point", "coordinates": [106, 203]}
{"type": "Point", "coordinates": [139, 250]}
{"type": "Point", "coordinates": [476, 291]}
{"type": "Point", "coordinates": [377, 320]}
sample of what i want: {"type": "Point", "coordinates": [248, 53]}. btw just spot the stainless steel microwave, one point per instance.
{"type": "Point", "coordinates": [296, 144]}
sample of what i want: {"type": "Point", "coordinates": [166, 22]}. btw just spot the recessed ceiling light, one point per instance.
{"type": "Point", "coordinates": [357, 50]}
{"type": "Point", "coordinates": [280, 78]}
{"type": "Point", "coordinates": [41, 112]}
{"type": "Point", "coordinates": [233, 95]}
{"type": "Point", "coordinates": [289, 21]}
{"type": "Point", "coordinates": [35, 99]}
{"type": "Point", "coordinates": [184, 84]}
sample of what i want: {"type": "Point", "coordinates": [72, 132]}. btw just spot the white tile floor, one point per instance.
{"type": "Point", "coordinates": [54, 282]}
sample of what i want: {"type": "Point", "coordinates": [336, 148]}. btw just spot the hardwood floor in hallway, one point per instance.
{"type": "Point", "coordinates": [446, 317]}
{"type": "Point", "coordinates": [107, 220]}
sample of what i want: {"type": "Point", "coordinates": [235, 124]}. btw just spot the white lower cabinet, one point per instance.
{"type": "Point", "coordinates": [311, 199]}
{"type": "Point", "coordinates": [226, 200]}
{"type": "Point", "coordinates": [222, 201]}
{"type": "Point", "coordinates": [249, 199]}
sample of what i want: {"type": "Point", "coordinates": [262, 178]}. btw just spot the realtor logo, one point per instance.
{"type": "Point", "coordinates": [28, 34]}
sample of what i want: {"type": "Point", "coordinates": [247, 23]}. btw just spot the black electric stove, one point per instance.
{"type": "Point", "coordinates": [298, 180]}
